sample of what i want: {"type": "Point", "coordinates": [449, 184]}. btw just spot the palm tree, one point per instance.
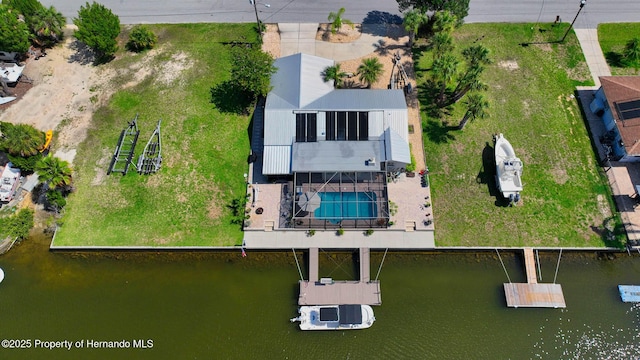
{"type": "Point", "coordinates": [442, 43]}
{"type": "Point", "coordinates": [54, 172]}
{"type": "Point", "coordinates": [443, 70]}
{"type": "Point", "coordinates": [469, 81]}
{"type": "Point", "coordinates": [47, 25]}
{"type": "Point", "coordinates": [369, 71]}
{"type": "Point", "coordinates": [22, 139]}
{"type": "Point", "coordinates": [337, 21]}
{"type": "Point", "coordinates": [444, 21]}
{"type": "Point", "coordinates": [476, 57]}
{"type": "Point", "coordinates": [412, 21]}
{"type": "Point", "coordinates": [334, 73]}
{"type": "Point", "coordinates": [632, 52]}
{"type": "Point", "coordinates": [476, 108]}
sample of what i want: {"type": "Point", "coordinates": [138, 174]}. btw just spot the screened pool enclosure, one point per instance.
{"type": "Point", "coordinates": [338, 200]}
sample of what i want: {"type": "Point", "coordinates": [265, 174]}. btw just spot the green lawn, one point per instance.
{"type": "Point", "coordinates": [565, 201]}
{"type": "Point", "coordinates": [204, 151]}
{"type": "Point", "coordinates": [613, 38]}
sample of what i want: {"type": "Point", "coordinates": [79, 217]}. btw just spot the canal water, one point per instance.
{"type": "Point", "coordinates": [204, 305]}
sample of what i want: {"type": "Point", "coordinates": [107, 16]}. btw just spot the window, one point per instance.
{"type": "Point", "coordinates": [306, 127]}
{"type": "Point", "coordinates": [351, 125]}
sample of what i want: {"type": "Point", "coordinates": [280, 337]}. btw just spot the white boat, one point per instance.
{"type": "Point", "coordinates": [10, 73]}
{"type": "Point", "coordinates": [1, 275]}
{"type": "Point", "coordinates": [6, 99]}
{"type": "Point", "coordinates": [508, 170]}
{"type": "Point", "coordinates": [335, 317]}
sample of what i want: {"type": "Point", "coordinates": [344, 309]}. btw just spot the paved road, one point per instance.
{"type": "Point", "coordinates": [301, 11]}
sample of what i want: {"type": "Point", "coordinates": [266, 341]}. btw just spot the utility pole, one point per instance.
{"type": "Point", "coordinates": [582, 3]}
{"type": "Point", "coordinates": [258, 23]}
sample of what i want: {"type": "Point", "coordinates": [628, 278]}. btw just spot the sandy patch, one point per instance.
{"type": "Point", "coordinates": [509, 65]}
{"type": "Point", "coordinates": [66, 91]}
{"type": "Point", "coordinates": [170, 70]}
{"type": "Point", "coordinates": [347, 33]}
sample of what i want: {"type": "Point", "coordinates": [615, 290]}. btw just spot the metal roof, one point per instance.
{"type": "Point", "coordinates": [396, 147]}
{"type": "Point", "coordinates": [338, 156]}
{"type": "Point", "coordinates": [276, 160]}
{"type": "Point", "coordinates": [359, 99]}
{"type": "Point", "coordinates": [298, 81]}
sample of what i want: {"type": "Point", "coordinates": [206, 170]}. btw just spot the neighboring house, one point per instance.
{"type": "Point", "coordinates": [337, 146]}
{"type": "Point", "coordinates": [617, 102]}
{"type": "Point", "coordinates": [9, 181]}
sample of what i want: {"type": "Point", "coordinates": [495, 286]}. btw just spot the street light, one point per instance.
{"type": "Point", "coordinates": [255, 8]}
{"type": "Point", "coordinates": [582, 3]}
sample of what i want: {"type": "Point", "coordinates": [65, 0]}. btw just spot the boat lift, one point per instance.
{"type": "Point", "coordinates": [151, 158]}
{"type": "Point", "coordinates": [399, 78]}
{"type": "Point", "coordinates": [124, 150]}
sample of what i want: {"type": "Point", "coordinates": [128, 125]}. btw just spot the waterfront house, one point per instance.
{"type": "Point", "coordinates": [617, 103]}
{"type": "Point", "coordinates": [335, 148]}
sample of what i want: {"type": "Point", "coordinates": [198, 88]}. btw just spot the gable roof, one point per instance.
{"type": "Point", "coordinates": [621, 90]}
{"type": "Point", "coordinates": [298, 81]}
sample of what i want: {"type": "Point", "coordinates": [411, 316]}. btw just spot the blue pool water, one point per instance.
{"type": "Point", "coordinates": [353, 205]}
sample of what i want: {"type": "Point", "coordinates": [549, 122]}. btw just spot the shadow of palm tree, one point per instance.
{"type": "Point", "coordinates": [438, 132]}
{"type": "Point", "coordinates": [614, 59]}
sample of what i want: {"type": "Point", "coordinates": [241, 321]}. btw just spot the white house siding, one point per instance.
{"type": "Point", "coordinates": [397, 120]}
{"type": "Point", "coordinates": [279, 127]}
{"type": "Point", "coordinates": [376, 124]}
{"type": "Point", "coordinates": [322, 125]}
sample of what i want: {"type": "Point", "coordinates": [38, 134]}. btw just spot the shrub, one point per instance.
{"type": "Point", "coordinates": [369, 232]}
{"type": "Point", "coordinates": [340, 232]}
{"type": "Point", "coordinates": [55, 199]}
{"type": "Point", "coordinates": [20, 223]}
{"type": "Point", "coordinates": [98, 27]}
{"type": "Point", "coordinates": [141, 38]}
{"type": "Point", "coordinates": [25, 164]}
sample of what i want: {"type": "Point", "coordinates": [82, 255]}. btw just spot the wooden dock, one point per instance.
{"type": "Point", "coordinates": [317, 291]}
{"type": "Point", "coordinates": [532, 294]}
{"type": "Point", "coordinates": [530, 266]}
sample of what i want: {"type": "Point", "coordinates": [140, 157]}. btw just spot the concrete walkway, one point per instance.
{"type": "Point", "coordinates": [596, 61]}
{"type": "Point", "coordinates": [296, 38]}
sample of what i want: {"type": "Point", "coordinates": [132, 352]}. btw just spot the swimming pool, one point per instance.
{"type": "Point", "coordinates": [337, 206]}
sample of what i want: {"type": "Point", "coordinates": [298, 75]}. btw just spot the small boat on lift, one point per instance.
{"type": "Point", "coordinates": [508, 170]}
{"type": "Point", "coordinates": [335, 317]}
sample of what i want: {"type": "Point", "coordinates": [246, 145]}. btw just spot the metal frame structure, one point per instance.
{"type": "Point", "coordinates": [373, 184]}
{"type": "Point", "coordinates": [124, 150]}
{"type": "Point", "coordinates": [150, 160]}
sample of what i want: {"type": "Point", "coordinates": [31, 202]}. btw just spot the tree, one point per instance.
{"type": "Point", "coordinates": [475, 57]}
{"type": "Point", "coordinates": [54, 172]}
{"type": "Point", "coordinates": [98, 28]}
{"type": "Point", "coordinates": [460, 8]}
{"type": "Point", "coordinates": [632, 53]}
{"type": "Point", "coordinates": [444, 22]}
{"type": "Point", "coordinates": [141, 38]}
{"type": "Point", "coordinates": [19, 224]}
{"type": "Point", "coordinates": [337, 21]}
{"type": "Point", "coordinates": [21, 139]}
{"type": "Point", "coordinates": [369, 71]}
{"type": "Point", "coordinates": [26, 8]}
{"type": "Point", "coordinates": [14, 34]}
{"type": "Point", "coordinates": [443, 70]}
{"type": "Point", "coordinates": [412, 21]}
{"type": "Point", "coordinates": [476, 108]}
{"type": "Point", "coordinates": [335, 74]}
{"type": "Point", "coordinates": [251, 71]}
{"type": "Point", "coordinates": [442, 44]}
{"type": "Point", "coordinates": [47, 25]}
